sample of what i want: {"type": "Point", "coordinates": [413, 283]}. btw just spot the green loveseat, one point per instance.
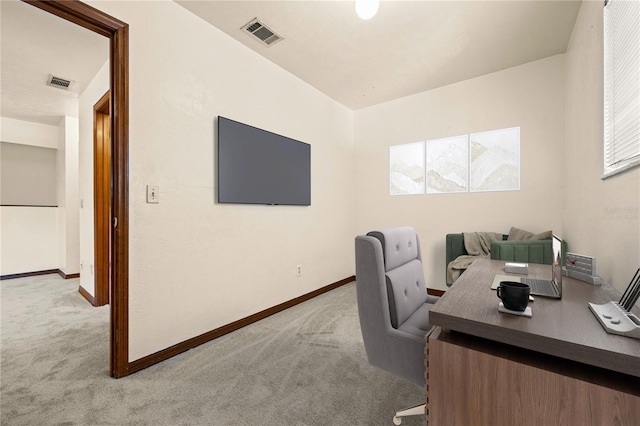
{"type": "Point", "coordinates": [528, 251]}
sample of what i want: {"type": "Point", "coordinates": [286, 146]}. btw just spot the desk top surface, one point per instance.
{"type": "Point", "coordinates": [565, 328]}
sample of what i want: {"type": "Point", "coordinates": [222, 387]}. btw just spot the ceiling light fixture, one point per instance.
{"type": "Point", "coordinates": [367, 9]}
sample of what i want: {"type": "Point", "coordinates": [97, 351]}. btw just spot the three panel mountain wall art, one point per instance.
{"type": "Point", "coordinates": [486, 161]}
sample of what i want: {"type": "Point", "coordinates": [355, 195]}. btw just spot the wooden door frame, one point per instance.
{"type": "Point", "coordinates": [118, 33]}
{"type": "Point", "coordinates": [101, 199]}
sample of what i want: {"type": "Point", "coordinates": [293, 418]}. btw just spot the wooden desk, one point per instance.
{"type": "Point", "coordinates": [558, 367]}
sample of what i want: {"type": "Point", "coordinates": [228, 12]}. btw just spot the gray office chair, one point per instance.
{"type": "Point", "coordinates": [393, 304]}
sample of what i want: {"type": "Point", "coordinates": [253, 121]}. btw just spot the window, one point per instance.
{"type": "Point", "coordinates": [621, 86]}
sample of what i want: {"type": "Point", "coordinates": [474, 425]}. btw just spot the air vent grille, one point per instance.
{"type": "Point", "coordinates": [256, 25]}
{"type": "Point", "coordinates": [58, 82]}
{"type": "Point", "coordinates": [263, 33]}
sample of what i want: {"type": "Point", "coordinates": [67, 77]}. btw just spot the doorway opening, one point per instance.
{"type": "Point", "coordinates": [118, 217]}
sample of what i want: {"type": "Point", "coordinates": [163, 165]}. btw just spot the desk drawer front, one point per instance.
{"type": "Point", "coordinates": [469, 387]}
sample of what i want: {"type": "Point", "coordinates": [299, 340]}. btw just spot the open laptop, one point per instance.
{"type": "Point", "coordinates": [543, 288]}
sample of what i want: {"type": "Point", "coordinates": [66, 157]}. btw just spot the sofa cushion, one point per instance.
{"type": "Point", "coordinates": [406, 291]}
{"type": "Point", "coordinates": [418, 323]}
{"type": "Point", "coordinates": [523, 251]}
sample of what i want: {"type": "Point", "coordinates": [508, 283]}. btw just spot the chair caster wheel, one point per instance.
{"type": "Point", "coordinates": [397, 420]}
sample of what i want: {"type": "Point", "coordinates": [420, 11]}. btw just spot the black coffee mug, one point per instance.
{"type": "Point", "coordinates": [514, 295]}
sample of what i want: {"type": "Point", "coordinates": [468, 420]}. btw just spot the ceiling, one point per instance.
{"type": "Point", "coordinates": [35, 44]}
{"type": "Point", "coordinates": [408, 47]}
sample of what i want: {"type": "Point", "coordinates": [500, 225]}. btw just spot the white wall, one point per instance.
{"type": "Point", "coordinates": [28, 175]}
{"type": "Point", "coordinates": [60, 186]}
{"type": "Point", "coordinates": [68, 199]}
{"type": "Point", "coordinates": [601, 216]}
{"type": "Point", "coordinates": [530, 96]}
{"type": "Point", "coordinates": [92, 94]}
{"type": "Point", "coordinates": [35, 226]}
{"type": "Point", "coordinates": [28, 235]}
{"type": "Point", "coordinates": [28, 133]}
{"type": "Point", "coordinates": [195, 265]}
{"type": "Point", "coordinates": [28, 239]}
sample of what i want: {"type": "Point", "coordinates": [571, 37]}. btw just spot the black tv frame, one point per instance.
{"type": "Point", "coordinates": [256, 166]}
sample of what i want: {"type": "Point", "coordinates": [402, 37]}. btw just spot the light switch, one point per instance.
{"type": "Point", "coordinates": [153, 194]}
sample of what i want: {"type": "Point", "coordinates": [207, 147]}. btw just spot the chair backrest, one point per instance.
{"type": "Point", "coordinates": [390, 287]}
{"type": "Point", "coordinates": [404, 277]}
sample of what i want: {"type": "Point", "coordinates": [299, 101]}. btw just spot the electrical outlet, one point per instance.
{"type": "Point", "coordinates": [299, 270]}
{"type": "Point", "coordinates": [153, 194]}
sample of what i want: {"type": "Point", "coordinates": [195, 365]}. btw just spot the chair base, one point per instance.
{"type": "Point", "coordinates": [413, 411]}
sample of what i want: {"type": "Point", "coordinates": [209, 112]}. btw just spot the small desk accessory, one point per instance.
{"type": "Point", "coordinates": [516, 268]}
{"type": "Point", "coordinates": [582, 268]}
{"type": "Point", "coordinates": [616, 317]}
{"type": "Point", "coordinates": [526, 313]}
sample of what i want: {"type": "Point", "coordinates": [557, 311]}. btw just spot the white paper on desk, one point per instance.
{"type": "Point", "coordinates": [526, 313]}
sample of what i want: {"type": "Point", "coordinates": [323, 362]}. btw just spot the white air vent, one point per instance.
{"type": "Point", "coordinates": [58, 82]}
{"type": "Point", "coordinates": [262, 32]}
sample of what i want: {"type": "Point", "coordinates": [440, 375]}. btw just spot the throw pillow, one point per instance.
{"type": "Point", "coordinates": [517, 234]}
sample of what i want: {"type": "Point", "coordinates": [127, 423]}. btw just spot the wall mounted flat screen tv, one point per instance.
{"type": "Point", "coordinates": [259, 167]}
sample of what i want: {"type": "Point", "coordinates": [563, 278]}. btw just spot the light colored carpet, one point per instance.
{"type": "Point", "coordinates": [303, 366]}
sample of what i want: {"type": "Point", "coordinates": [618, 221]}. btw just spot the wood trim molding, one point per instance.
{"type": "Point", "coordinates": [102, 216]}
{"type": "Point", "coordinates": [84, 293]}
{"type": "Point", "coordinates": [120, 202]}
{"type": "Point", "coordinates": [179, 348]}
{"type": "Point", "coordinates": [67, 276]}
{"type": "Point", "coordinates": [118, 33]}
{"type": "Point", "coordinates": [25, 205]}
{"type": "Point", "coordinates": [36, 273]}
{"type": "Point", "coordinates": [81, 14]}
{"type": "Point", "coordinates": [28, 274]}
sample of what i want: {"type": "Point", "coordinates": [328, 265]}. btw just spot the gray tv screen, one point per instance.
{"type": "Point", "coordinates": [259, 167]}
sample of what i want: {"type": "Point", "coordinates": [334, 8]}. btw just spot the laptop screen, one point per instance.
{"type": "Point", "coordinates": [556, 272]}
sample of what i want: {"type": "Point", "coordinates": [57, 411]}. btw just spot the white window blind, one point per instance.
{"type": "Point", "coordinates": [621, 85]}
